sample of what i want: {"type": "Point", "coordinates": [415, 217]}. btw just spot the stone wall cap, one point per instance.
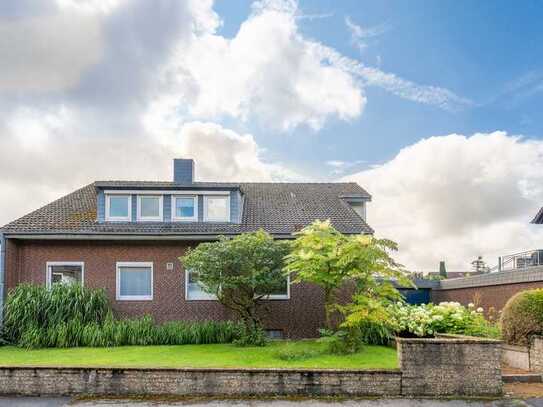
{"type": "Point", "coordinates": [446, 338]}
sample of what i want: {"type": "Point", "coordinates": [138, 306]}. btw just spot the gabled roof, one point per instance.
{"type": "Point", "coordinates": [278, 208]}
{"type": "Point", "coordinates": [539, 217]}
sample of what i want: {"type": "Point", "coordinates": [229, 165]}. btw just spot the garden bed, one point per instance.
{"type": "Point", "coordinates": [300, 354]}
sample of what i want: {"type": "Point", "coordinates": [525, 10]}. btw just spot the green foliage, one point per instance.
{"type": "Point", "coordinates": [71, 316]}
{"type": "Point", "coordinates": [241, 272]}
{"type": "Point", "coordinates": [323, 256]}
{"type": "Point", "coordinates": [343, 341]}
{"type": "Point", "coordinates": [291, 353]}
{"type": "Point", "coordinates": [249, 335]}
{"type": "Point", "coordinates": [448, 317]}
{"type": "Point", "coordinates": [31, 309]}
{"type": "Point", "coordinates": [376, 333]}
{"type": "Point", "coordinates": [522, 317]}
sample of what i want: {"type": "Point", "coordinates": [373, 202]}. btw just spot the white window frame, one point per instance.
{"type": "Point", "coordinates": [280, 296]}
{"type": "Point", "coordinates": [49, 272]}
{"type": "Point", "coordinates": [158, 218]}
{"type": "Point", "coordinates": [118, 295]}
{"type": "Point", "coordinates": [207, 218]}
{"type": "Point", "coordinates": [118, 218]}
{"type": "Point", "coordinates": [176, 218]}
{"type": "Point", "coordinates": [212, 297]}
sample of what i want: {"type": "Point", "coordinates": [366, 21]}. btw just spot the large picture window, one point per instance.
{"type": "Point", "coordinates": [150, 208]}
{"type": "Point", "coordinates": [134, 281]}
{"type": "Point", "coordinates": [185, 208]}
{"type": "Point", "coordinates": [217, 208]}
{"type": "Point", "coordinates": [194, 290]}
{"type": "Point", "coordinates": [118, 208]}
{"type": "Point", "coordinates": [64, 273]}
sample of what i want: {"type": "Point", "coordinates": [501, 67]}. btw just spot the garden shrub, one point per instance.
{"type": "Point", "coordinates": [522, 317]}
{"type": "Point", "coordinates": [447, 317]}
{"type": "Point", "coordinates": [343, 341]}
{"type": "Point", "coordinates": [71, 316]}
{"type": "Point", "coordinates": [291, 353]}
{"type": "Point", "coordinates": [376, 333]}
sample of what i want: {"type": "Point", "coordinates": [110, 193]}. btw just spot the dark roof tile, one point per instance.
{"type": "Point", "coordinates": [278, 208]}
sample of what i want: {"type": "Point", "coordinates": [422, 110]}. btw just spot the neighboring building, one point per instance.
{"type": "Point", "coordinates": [539, 217]}
{"type": "Point", "coordinates": [453, 274]}
{"type": "Point", "coordinates": [127, 237]}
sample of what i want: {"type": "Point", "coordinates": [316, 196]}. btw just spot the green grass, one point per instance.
{"type": "Point", "coordinates": [371, 357]}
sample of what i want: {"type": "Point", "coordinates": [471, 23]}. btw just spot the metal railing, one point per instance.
{"type": "Point", "coordinates": [521, 260]}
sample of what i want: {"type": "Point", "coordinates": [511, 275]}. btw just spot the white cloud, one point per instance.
{"type": "Point", "coordinates": [455, 197]}
{"type": "Point", "coordinates": [224, 155]}
{"type": "Point", "coordinates": [429, 95]}
{"type": "Point", "coordinates": [268, 70]}
{"type": "Point", "coordinates": [361, 35]}
{"type": "Point", "coordinates": [50, 52]}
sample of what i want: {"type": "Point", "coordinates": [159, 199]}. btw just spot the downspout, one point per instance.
{"type": "Point", "coordinates": [2, 275]}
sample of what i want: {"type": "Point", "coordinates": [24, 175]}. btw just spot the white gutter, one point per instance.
{"type": "Point", "coordinates": [96, 236]}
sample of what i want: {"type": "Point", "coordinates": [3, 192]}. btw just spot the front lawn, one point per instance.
{"type": "Point", "coordinates": [371, 357]}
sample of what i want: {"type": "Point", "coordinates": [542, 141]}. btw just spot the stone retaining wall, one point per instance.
{"type": "Point", "coordinates": [450, 365]}
{"type": "Point", "coordinates": [198, 382]}
{"type": "Point", "coordinates": [444, 366]}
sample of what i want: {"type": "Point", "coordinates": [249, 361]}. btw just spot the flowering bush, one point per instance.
{"type": "Point", "coordinates": [446, 317]}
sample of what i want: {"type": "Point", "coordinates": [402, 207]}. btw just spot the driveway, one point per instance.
{"type": "Point", "coordinates": [59, 402]}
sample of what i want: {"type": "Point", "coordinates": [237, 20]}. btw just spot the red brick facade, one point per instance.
{"type": "Point", "coordinates": [488, 296]}
{"type": "Point", "coordinates": [298, 317]}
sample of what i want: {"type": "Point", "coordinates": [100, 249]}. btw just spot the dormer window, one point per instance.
{"type": "Point", "coordinates": [150, 208]}
{"type": "Point", "coordinates": [185, 208]}
{"type": "Point", "coordinates": [118, 208]}
{"type": "Point", "coordinates": [217, 208]}
{"type": "Point", "coordinates": [359, 207]}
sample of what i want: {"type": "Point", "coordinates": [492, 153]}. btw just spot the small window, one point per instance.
{"type": "Point", "coordinates": [282, 293]}
{"type": "Point", "coordinates": [134, 281]}
{"type": "Point", "coordinates": [217, 208]}
{"type": "Point", "coordinates": [64, 273]}
{"type": "Point", "coordinates": [194, 290]}
{"type": "Point", "coordinates": [274, 333]}
{"type": "Point", "coordinates": [150, 207]}
{"type": "Point", "coordinates": [185, 208]}
{"type": "Point", "coordinates": [118, 207]}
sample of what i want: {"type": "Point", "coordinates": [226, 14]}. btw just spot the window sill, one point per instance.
{"type": "Point", "coordinates": [134, 298]}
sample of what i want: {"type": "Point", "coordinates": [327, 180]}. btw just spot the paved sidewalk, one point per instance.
{"type": "Point", "coordinates": [60, 402]}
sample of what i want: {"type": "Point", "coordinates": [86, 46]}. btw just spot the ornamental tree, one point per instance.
{"type": "Point", "coordinates": [323, 256]}
{"type": "Point", "coordinates": [240, 271]}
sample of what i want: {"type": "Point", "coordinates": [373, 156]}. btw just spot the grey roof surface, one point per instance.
{"type": "Point", "coordinates": [539, 217]}
{"type": "Point", "coordinates": [278, 208]}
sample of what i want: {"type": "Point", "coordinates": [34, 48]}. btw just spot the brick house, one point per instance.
{"type": "Point", "coordinates": [127, 236]}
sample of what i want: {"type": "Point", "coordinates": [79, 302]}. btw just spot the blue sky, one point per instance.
{"type": "Point", "coordinates": [484, 51]}
{"type": "Point", "coordinates": [433, 106]}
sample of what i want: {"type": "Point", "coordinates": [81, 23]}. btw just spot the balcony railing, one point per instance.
{"type": "Point", "coordinates": [522, 260]}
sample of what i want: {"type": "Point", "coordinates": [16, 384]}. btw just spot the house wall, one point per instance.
{"type": "Point", "coordinates": [298, 317]}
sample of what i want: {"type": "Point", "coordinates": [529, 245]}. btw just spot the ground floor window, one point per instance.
{"type": "Point", "coordinates": [134, 281]}
{"type": "Point", "coordinates": [194, 290]}
{"type": "Point", "coordinates": [60, 272]}
{"type": "Point", "coordinates": [282, 292]}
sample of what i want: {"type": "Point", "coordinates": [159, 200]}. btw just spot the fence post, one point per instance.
{"type": "Point", "coordinates": [500, 263]}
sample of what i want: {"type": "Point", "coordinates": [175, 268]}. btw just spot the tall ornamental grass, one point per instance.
{"type": "Point", "coordinates": [72, 316]}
